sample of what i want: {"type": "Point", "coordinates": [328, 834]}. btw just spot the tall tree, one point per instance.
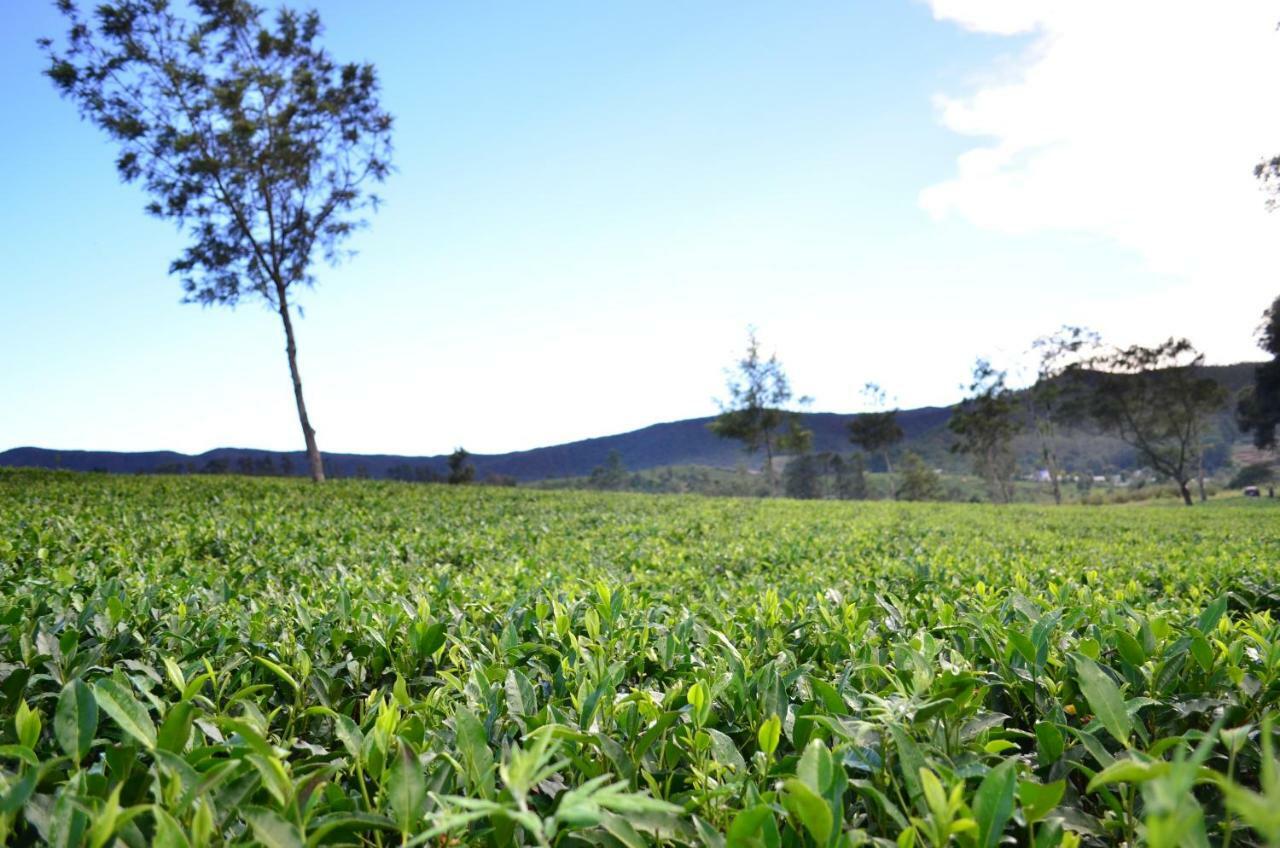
{"type": "Point", "coordinates": [850, 477]}
{"type": "Point", "coordinates": [611, 475]}
{"type": "Point", "coordinates": [1046, 400]}
{"type": "Point", "coordinates": [919, 481]}
{"type": "Point", "coordinates": [1155, 399]}
{"type": "Point", "coordinates": [802, 476]}
{"type": "Point", "coordinates": [460, 468]}
{"type": "Point", "coordinates": [877, 432]}
{"type": "Point", "coordinates": [986, 423]}
{"type": "Point", "coordinates": [244, 131]}
{"type": "Point", "coordinates": [755, 412]}
{"type": "Point", "coordinates": [1258, 411]}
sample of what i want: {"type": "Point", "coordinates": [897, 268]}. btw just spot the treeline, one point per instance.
{"type": "Point", "coordinates": [1156, 399]}
{"type": "Point", "coordinates": [458, 469]}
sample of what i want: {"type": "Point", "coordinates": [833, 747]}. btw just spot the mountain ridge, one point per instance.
{"type": "Point", "coordinates": [684, 442]}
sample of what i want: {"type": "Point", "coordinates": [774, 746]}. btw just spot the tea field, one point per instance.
{"type": "Point", "coordinates": [221, 661]}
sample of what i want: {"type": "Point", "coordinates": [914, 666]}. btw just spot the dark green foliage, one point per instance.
{"type": "Point", "coordinates": [460, 468]}
{"type": "Point", "coordinates": [612, 475]}
{"type": "Point", "coordinates": [985, 424]}
{"type": "Point", "coordinates": [850, 479]}
{"type": "Point", "coordinates": [755, 412]}
{"type": "Point", "coordinates": [1258, 410]}
{"type": "Point", "coordinates": [919, 481]}
{"type": "Point", "coordinates": [1253, 475]}
{"type": "Point", "coordinates": [1154, 398]}
{"type": "Point", "coordinates": [802, 477]}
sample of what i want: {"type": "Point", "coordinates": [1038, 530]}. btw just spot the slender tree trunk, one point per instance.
{"type": "Point", "coordinates": [308, 434]}
{"type": "Point", "coordinates": [768, 462]}
{"type": "Point", "coordinates": [1200, 475]}
{"type": "Point", "coordinates": [1051, 463]}
{"type": "Point", "coordinates": [888, 467]}
{"type": "Point", "coordinates": [1186, 492]}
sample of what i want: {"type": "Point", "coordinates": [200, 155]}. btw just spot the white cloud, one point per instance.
{"type": "Point", "coordinates": [1138, 122]}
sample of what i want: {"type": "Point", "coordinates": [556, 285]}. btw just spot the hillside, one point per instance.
{"type": "Point", "coordinates": [686, 442]}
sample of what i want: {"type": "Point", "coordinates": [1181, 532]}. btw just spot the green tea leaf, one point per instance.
{"type": "Point", "coordinates": [1104, 699]}
{"type": "Point", "coordinates": [76, 719]}
{"type": "Point", "coordinates": [119, 703]}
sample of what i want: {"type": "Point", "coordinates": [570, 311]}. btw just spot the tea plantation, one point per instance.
{"type": "Point", "coordinates": [215, 661]}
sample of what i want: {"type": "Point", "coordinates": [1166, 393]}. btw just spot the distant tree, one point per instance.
{"type": "Point", "coordinates": [755, 412]}
{"type": "Point", "coordinates": [1156, 400]}
{"type": "Point", "coordinates": [850, 477]}
{"type": "Point", "coordinates": [802, 477]}
{"type": "Point", "coordinates": [611, 475]}
{"type": "Point", "coordinates": [985, 424]}
{"type": "Point", "coordinates": [1046, 400]}
{"type": "Point", "coordinates": [1258, 411]}
{"type": "Point", "coordinates": [919, 481]}
{"type": "Point", "coordinates": [877, 432]}
{"type": "Point", "coordinates": [460, 468]}
{"type": "Point", "coordinates": [247, 134]}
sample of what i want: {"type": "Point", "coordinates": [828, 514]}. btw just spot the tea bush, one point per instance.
{"type": "Point", "coordinates": [197, 661]}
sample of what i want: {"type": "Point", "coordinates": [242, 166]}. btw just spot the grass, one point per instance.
{"type": "Point", "coordinates": [217, 661]}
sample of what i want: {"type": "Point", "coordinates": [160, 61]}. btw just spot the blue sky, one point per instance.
{"type": "Point", "coordinates": [593, 201]}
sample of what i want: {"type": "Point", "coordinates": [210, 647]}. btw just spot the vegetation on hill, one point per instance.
{"type": "Point", "coordinates": [217, 661]}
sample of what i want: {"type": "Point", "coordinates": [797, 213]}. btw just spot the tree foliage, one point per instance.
{"type": "Point", "coordinates": [1156, 400]}
{"type": "Point", "coordinates": [460, 468]}
{"type": "Point", "coordinates": [919, 481]}
{"type": "Point", "coordinates": [985, 424]}
{"type": "Point", "coordinates": [1258, 410]}
{"type": "Point", "coordinates": [1046, 399]}
{"type": "Point", "coordinates": [755, 412]}
{"type": "Point", "coordinates": [877, 432]}
{"type": "Point", "coordinates": [243, 130]}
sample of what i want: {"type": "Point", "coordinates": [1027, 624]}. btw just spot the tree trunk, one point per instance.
{"type": "Point", "coordinates": [1051, 464]}
{"type": "Point", "coordinates": [1186, 492]}
{"type": "Point", "coordinates": [768, 463]}
{"type": "Point", "coordinates": [308, 434]}
{"type": "Point", "coordinates": [1200, 475]}
{"type": "Point", "coordinates": [888, 468]}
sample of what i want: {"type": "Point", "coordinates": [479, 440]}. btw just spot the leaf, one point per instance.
{"type": "Point", "coordinates": [993, 804]}
{"type": "Point", "coordinates": [1049, 742]}
{"type": "Point", "coordinates": [76, 719]}
{"type": "Point", "coordinates": [1039, 799]}
{"type": "Point", "coordinates": [278, 671]}
{"type": "Point", "coordinates": [407, 789]}
{"type": "Point", "coordinates": [272, 830]}
{"type": "Point", "coordinates": [1104, 699]}
{"type": "Point", "coordinates": [808, 807]}
{"type": "Point", "coordinates": [1128, 771]}
{"type": "Point", "coordinates": [473, 748]}
{"type": "Point", "coordinates": [119, 703]}
{"type": "Point", "coordinates": [1208, 619]}
{"type": "Point", "coordinates": [910, 762]}
{"type": "Point", "coordinates": [752, 827]}
{"type": "Point", "coordinates": [348, 733]}
{"type": "Point", "coordinates": [175, 730]}
{"type": "Point", "coordinates": [169, 833]}
{"type": "Point", "coordinates": [724, 751]}
{"type": "Point", "coordinates": [26, 722]}
{"type": "Point", "coordinates": [769, 734]}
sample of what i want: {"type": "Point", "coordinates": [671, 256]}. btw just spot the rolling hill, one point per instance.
{"type": "Point", "coordinates": [686, 442]}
